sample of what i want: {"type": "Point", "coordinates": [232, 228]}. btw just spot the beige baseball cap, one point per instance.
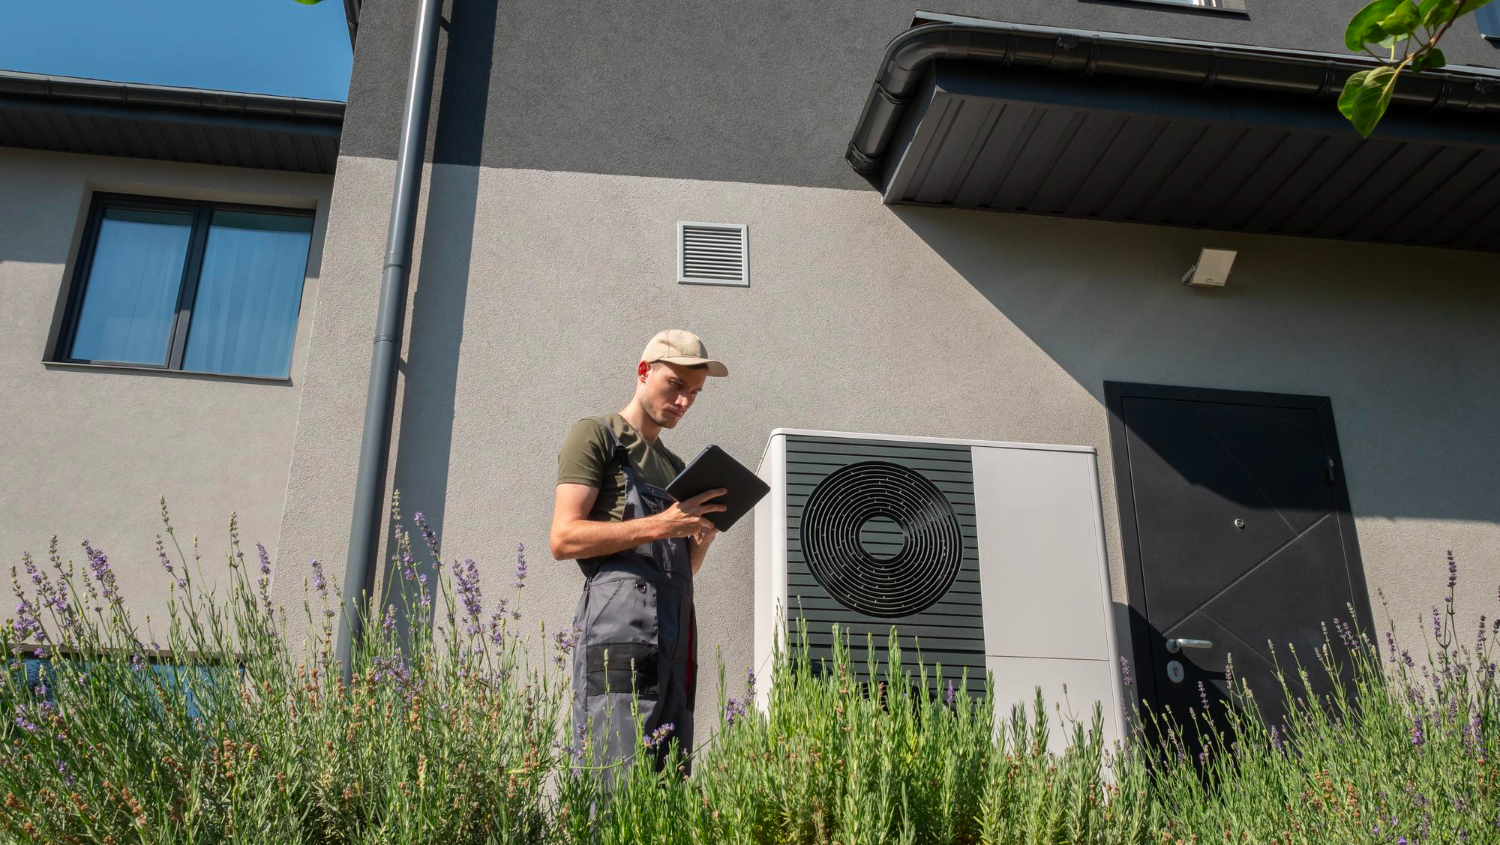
{"type": "Point", "coordinates": [676, 346]}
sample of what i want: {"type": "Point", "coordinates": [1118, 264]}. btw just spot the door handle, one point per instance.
{"type": "Point", "coordinates": [1176, 644]}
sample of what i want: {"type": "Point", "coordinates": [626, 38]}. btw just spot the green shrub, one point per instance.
{"type": "Point", "coordinates": [456, 731]}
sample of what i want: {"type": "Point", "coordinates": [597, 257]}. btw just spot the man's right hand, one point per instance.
{"type": "Point", "coordinates": [686, 518]}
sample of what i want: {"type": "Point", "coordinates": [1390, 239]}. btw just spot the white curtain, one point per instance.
{"type": "Point", "coordinates": [245, 313]}
{"type": "Point", "coordinates": [131, 293]}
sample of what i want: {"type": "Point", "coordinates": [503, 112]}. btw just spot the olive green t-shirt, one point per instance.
{"type": "Point", "coordinates": [586, 458]}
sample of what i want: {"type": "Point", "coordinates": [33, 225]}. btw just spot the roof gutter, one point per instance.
{"type": "Point", "coordinates": [351, 17]}
{"type": "Point", "coordinates": [1205, 64]}
{"type": "Point", "coordinates": [380, 401]}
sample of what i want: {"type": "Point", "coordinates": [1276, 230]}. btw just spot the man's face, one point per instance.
{"type": "Point", "coordinates": [668, 390]}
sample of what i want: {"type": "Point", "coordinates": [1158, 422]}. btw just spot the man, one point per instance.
{"type": "Point", "coordinates": [639, 549]}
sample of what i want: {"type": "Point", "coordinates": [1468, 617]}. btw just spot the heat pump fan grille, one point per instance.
{"type": "Point", "coordinates": [881, 539]}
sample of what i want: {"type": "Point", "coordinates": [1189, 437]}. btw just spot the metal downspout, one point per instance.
{"type": "Point", "coordinates": [380, 402]}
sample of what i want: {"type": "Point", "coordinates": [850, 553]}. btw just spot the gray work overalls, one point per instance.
{"type": "Point", "coordinates": [636, 611]}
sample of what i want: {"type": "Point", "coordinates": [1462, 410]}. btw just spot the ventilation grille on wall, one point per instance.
{"type": "Point", "coordinates": [712, 254]}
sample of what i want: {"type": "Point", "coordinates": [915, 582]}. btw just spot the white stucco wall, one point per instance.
{"type": "Point", "coordinates": [87, 452]}
{"type": "Point", "coordinates": [535, 291]}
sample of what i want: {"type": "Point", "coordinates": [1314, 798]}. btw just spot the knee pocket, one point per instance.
{"type": "Point", "coordinates": [621, 638]}
{"type": "Point", "coordinates": [623, 668]}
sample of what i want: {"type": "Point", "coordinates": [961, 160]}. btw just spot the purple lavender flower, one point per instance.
{"type": "Point", "coordinates": [467, 575]}
{"type": "Point", "coordinates": [1276, 739]}
{"type": "Point", "coordinates": [408, 566]}
{"type": "Point", "coordinates": [1437, 623]}
{"type": "Point", "coordinates": [658, 736]}
{"type": "Point", "coordinates": [1203, 697]}
{"type": "Point", "coordinates": [497, 623]}
{"type": "Point", "coordinates": [949, 696]}
{"type": "Point", "coordinates": [428, 535]}
{"type": "Point", "coordinates": [166, 562]}
{"type": "Point", "coordinates": [319, 581]}
{"type": "Point", "coordinates": [1125, 670]}
{"type": "Point", "coordinates": [265, 559]}
{"type": "Point", "coordinates": [99, 566]}
{"type": "Point", "coordinates": [565, 642]}
{"type": "Point", "coordinates": [388, 622]}
{"type": "Point", "coordinates": [26, 623]}
{"type": "Point", "coordinates": [1452, 570]}
{"type": "Point", "coordinates": [733, 709]}
{"type": "Point", "coordinates": [62, 769]}
{"type": "Point", "coordinates": [1418, 736]}
{"type": "Point", "coordinates": [520, 565]}
{"type": "Point", "coordinates": [27, 726]}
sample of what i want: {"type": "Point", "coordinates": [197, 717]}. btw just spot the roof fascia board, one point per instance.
{"type": "Point", "coordinates": [1085, 53]}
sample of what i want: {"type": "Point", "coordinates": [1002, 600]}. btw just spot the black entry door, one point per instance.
{"type": "Point", "coordinates": [1237, 539]}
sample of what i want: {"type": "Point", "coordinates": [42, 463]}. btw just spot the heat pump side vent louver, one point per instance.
{"type": "Point", "coordinates": [713, 254]}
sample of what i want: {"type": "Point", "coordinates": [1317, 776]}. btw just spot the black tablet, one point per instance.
{"type": "Point", "coordinates": [713, 468]}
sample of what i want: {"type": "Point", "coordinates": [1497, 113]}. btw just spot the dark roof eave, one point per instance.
{"type": "Point", "coordinates": [130, 95]}
{"type": "Point", "coordinates": [1205, 64]}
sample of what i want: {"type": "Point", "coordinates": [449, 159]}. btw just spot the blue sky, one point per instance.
{"type": "Point", "coordinates": [262, 46]}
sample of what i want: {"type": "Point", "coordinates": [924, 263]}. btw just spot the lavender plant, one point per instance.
{"type": "Point", "coordinates": [456, 731]}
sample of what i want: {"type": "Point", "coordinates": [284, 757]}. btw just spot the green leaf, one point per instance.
{"type": "Point", "coordinates": [1434, 12]}
{"type": "Point", "coordinates": [1364, 27]}
{"type": "Point", "coordinates": [1366, 95]}
{"type": "Point", "coordinates": [1428, 60]}
{"type": "Point", "coordinates": [309, 2]}
{"type": "Point", "coordinates": [1402, 20]}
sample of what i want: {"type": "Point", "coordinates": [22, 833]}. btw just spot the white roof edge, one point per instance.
{"type": "Point", "coordinates": [945, 441]}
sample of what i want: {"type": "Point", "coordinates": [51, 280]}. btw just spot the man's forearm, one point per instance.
{"type": "Point", "coordinates": [587, 538]}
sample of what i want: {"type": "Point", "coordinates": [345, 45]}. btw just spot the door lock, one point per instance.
{"type": "Point", "coordinates": [1175, 673]}
{"type": "Point", "coordinates": [1175, 644]}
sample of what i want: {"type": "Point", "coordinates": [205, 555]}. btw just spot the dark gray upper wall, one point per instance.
{"type": "Point", "coordinates": [764, 92]}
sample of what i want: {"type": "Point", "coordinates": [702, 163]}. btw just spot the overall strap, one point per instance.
{"type": "Point", "coordinates": [618, 451]}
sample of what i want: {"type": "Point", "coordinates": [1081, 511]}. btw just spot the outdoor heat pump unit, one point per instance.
{"type": "Point", "coordinates": [985, 557]}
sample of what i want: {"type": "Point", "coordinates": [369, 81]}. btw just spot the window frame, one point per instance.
{"type": "Point", "coordinates": [187, 290]}
{"type": "Point", "coordinates": [1232, 7]}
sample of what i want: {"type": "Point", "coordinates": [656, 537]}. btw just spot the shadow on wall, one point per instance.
{"type": "Point", "coordinates": [1394, 336]}
{"type": "Point", "coordinates": [430, 373]}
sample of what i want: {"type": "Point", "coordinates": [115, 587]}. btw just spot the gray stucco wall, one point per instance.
{"type": "Point", "coordinates": [86, 453]}
{"type": "Point", "coordinates": [536, 290]}
{"type": "Point", "coordinates": [743, 92]}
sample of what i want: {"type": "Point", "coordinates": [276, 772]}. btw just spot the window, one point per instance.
{"type": "Point", "coordinates": [1488, 18]}
{"type": "Point", "coordinates": [1211, 5]}
{"type": "Point", "coordinates": [199, 287]}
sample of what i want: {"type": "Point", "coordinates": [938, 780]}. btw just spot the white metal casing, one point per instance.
{"type": "Point", "coordinates": [1044, 582]}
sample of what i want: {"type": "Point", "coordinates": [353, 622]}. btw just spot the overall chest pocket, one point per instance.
{"type": "Point", "coordinates": [622, 637]}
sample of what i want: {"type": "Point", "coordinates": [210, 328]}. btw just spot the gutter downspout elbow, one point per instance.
{"type": "Point", "coordinates": [380, 401]}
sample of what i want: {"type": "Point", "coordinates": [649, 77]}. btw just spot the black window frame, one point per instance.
{"type": "Point", "coordinates": [187, 291]}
